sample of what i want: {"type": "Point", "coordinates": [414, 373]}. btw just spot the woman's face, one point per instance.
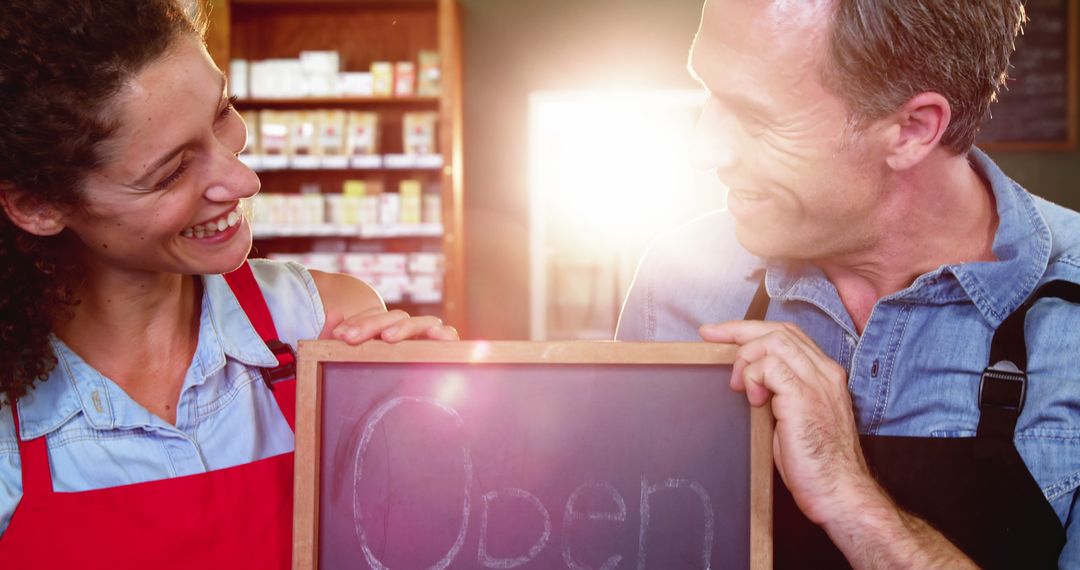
{"type": "Point", "coordinates": [167, 199]}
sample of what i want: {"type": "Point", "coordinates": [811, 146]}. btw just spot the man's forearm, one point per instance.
{"type": "Point", "coordinates": [881, 535]}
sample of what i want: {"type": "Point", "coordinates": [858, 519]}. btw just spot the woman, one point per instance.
{"type": "Point", "coordinates": [146, 422]}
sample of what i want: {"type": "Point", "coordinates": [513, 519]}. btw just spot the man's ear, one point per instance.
{"type": "Point", "coordinates": [917, 129]}
{"type": "Point", "coordinates": [29, 212]}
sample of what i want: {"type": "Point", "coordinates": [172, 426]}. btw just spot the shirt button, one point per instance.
{"type": "Point", "coordinates": [874, 369]}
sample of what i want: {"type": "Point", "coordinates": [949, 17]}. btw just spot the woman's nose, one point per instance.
{"type": "Point", "coordinates": [231, 180]}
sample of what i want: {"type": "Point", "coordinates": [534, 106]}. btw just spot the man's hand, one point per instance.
{"type": "Point", "coordinates": [816, 448]}
{"type": "Point", "coordinates": [816, 444]}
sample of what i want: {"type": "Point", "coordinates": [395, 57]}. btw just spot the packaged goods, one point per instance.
{"type": "Point", "coordinates": [274, 133]}
{"type": "Point", "coordinates": [382, 79]}
{"type": "Point", "coordinates": [320, 72]}
{"type": "Point", "coordinates": [389, 208]}
{"type": "Point", "coordinates": [331, 139]}
{"type": "Point", "coordinates": [432, 213]}
{"type": "Point", "coordinates": [418, 132]}
{"type": "Point", "coordinates": [363, 135]}
{"type": "Point", "coordinates": [410, 191]}
{"type": "Point", "coordinates": [404, 79]}
{"type": "Point", "coordinates": [429, 75]}
{"type": "Point", "coordinates": [356, 84]}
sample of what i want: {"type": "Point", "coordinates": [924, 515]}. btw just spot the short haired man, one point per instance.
{"type": "Point", "coordinates": [928, 409]}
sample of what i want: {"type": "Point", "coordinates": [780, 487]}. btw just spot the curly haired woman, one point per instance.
{"type": "Point", "coordinates": [148, 410]}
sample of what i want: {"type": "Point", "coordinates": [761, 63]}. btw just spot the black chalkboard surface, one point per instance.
{"type": "Point", "coordinates": [528, 455]}
{"type": "Point", "coordinates": [1038, 109]}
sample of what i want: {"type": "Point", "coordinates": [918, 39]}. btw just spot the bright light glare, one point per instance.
{"type": "Point", "coordinates": [450, 389]}
{"type": "Point", "coordinates": [611, 165]}
{"type": "Point", "coordinates": [480, 352]}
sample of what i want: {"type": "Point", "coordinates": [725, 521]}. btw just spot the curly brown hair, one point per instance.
{"type": "Point", "coordinates": [61, 63]}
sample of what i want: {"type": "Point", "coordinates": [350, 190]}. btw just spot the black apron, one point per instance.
{"type": "Point", "coordinates": [976, 491]}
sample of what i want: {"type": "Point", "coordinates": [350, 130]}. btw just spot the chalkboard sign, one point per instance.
{"type": "Point", "coordinates": [575, 455]}
{"type": "Point", "coordinates": [1038, 110]}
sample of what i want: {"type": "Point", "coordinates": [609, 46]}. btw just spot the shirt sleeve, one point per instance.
{"type": "Point", "coordinates": [637, 320]}
{"type": "Point", "coordinates": [10, 470]}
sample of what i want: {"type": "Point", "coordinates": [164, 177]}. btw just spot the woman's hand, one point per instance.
{"type": "Point", "coordinates": [390, 326]}
{"type": "Point", "coordinates": [355, 313]}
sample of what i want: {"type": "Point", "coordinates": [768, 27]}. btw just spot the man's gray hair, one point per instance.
{"type": "Point", "coordinates": [882, 53]}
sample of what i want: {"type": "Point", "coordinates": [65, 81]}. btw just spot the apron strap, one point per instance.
{"type": "Point", "coordinates": [249, 295]}
{"type": "Point", "coordinates": [1004, 381]}
{"type": "Point", "coordinates": [34, 457]}
{"type": "Point", "coordinates": [760, 304]}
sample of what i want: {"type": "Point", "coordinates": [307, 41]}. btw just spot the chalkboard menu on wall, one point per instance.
{"type": "Point", "coordinates": [1038, 111]}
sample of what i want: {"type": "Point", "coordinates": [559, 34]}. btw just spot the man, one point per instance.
{"type": "Point", "coordinates": [912, 426]}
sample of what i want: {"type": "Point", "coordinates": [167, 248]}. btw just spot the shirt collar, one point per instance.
{"type": "Point", "coordinates": [74, 386]}
{"type": "Point", "coordinates": [997, 288]}
{"type": "Point", "coordinates": [1022, 248]}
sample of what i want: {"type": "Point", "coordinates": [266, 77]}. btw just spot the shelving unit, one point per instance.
{"type": "Point", "coordinates": [362, 32]}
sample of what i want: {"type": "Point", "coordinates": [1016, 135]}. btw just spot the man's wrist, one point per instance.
{"type": "Point", "coordinates": [874, 532]}
{"type": "Point", "coordinates": [863, 507]}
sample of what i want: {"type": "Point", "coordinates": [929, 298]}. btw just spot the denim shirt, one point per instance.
{"type": "Point", "coordinates": [915, 369]}
{"type": "Point", "coordinates": [98, 437]}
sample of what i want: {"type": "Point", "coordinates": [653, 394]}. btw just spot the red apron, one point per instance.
{"type": "Point", "coordinates": [239, 517]}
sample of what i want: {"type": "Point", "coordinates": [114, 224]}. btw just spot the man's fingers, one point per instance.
{"type": "Point", "coordinates": [737, 332]}
{"type": "Point", "coordinates": [767, 376]}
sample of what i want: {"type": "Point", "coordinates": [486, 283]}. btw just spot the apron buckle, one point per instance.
{"type": "Point", "coordinates": [286, 367]}
{"type": "Point", "coordinates": [1003, 386]}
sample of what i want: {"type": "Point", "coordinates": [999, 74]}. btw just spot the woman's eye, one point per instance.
{"type": "Point", "coordinates": [229, 107]}
{"type": "Point", "coordinates": [171, 179]}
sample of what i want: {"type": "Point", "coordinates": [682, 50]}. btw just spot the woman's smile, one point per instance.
{"type": "Point", "coordinates": [210, 228]}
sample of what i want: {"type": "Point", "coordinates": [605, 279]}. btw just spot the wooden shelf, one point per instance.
{"type": "Point", "coordinates": [362, 32]}
{"type": "Point", "coordinates": [393, 231]}
{"type": "Point", "coordinates": [387, 163]}
{"type": "Point", "coordinates": [316, 3]}
{"type": "Point", "coordinates": [375, 103]}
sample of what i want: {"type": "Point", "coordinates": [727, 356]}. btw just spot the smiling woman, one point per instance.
{"type": "Point", "coordinates": [148, 387]}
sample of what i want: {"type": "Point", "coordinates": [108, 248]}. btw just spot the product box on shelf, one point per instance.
{"type": "Point", "coordinates": [356, 84]}
{"type": "Point", "coordinates": [429, 74]}
{"type": "Point", "coordinates": [303, 140]}
{"type": "Point", "coordinates": [320, 72]}
{"type": "Point", "coordinates": [418, 132]}
{"type": "Point", "coordinates": [404, 79]}
{"type": "Point", "coordinates": [382, 78]}
{"type": "Point", "coordinates": [411, 209]}
{"type": "Point", "coordinates": [332, 126]}
{"type": "Point", "coordinates": [362, 142]}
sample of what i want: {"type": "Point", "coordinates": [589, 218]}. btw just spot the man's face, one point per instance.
{"type": "Point", "coordinates": [776, 137]}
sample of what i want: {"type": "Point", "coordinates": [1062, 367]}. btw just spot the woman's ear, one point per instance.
{"type": "Point", "coordinates": [29, 212]}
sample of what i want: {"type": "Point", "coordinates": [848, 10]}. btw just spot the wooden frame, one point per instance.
{"type": "Point", "coordinates": [313, 354]}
